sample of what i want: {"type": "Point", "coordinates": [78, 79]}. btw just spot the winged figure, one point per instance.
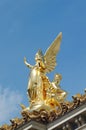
{"type": "Point", "coordinates": [38, 81]}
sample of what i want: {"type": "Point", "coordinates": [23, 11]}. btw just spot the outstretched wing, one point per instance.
{"type": "Point", "coordinates": [50, 55]}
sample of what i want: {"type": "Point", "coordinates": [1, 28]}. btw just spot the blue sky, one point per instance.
{"type": "Point", "coordinates": [26, 26]}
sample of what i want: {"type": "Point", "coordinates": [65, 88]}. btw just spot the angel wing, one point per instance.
{"type": "Point", "coordinates": [50, 54]}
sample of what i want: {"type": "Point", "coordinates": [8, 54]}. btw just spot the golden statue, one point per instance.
{"type": "Point", "coordinates": [56, 89]}
{"type": "Point", "coordinates": [47, 99]}
{"type": "Point", "coordinates": [42, 93]}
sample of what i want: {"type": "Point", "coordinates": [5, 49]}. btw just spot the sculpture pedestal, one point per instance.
{"type": "Point", "coordinates": [73, 120]}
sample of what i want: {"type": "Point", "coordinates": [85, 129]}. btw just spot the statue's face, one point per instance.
{"type": "Point", "coordinates": [58, 77]}
{"type": "Point", "coordinates": [38, 57]}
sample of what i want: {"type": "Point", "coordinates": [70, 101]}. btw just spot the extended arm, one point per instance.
{"type": "Point", "coordinates": [27, 64]}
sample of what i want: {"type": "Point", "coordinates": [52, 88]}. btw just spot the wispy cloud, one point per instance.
{"type": "Point", "coordinates": [9, 101]}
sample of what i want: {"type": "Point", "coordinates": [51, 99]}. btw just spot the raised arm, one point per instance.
{"type": "Point", "coordinates": [27, 64]}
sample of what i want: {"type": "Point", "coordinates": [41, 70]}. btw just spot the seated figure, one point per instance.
{"type": "Point", "coordinates": [56, 90]}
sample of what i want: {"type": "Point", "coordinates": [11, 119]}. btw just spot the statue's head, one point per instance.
{"type": "Point", "coordinates": [58, 77]}
{"type": "Point", "coordinates": [39, 56]}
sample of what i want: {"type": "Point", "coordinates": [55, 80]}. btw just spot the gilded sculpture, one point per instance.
{"type": "Point", "coordinates": [43, 93]}
{"type": "Point", "coordinates": [47, 99]}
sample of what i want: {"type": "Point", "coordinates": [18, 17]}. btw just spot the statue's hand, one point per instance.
{"type": "Point", "coordinates": [24, 59]}
{"type": "Point", "coordinates": [27, 64]}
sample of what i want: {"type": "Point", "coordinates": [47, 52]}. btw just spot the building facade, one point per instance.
{"type": "Point", "coordinates": [72, 117]}
{"type": "Point", "coordinates": [73, 120]}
